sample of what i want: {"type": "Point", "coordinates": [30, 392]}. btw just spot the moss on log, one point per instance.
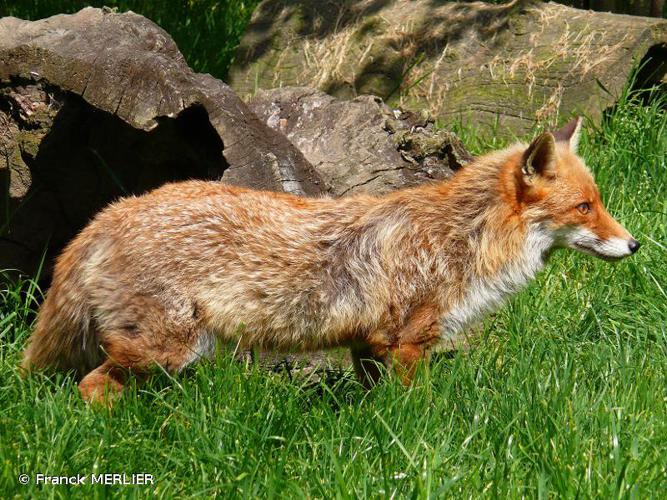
{"type": "Point", "coordinates": [505, 66]}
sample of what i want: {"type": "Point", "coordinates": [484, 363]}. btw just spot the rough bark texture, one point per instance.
{"type": "Point", "coordinates": [516, 63]}
{"type": "Point", "coordinates": [96, 105]}
{"type": "Point", "coordinates": [360, 145]}
{"type": "Point", "coordinates": [62, 160]}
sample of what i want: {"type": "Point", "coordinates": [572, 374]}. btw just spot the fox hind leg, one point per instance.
{"type": "Point", "coordinates": [103, 384]}
{"type": "Point", "coordinates": [135, 355]}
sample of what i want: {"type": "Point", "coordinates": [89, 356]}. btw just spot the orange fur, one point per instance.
{"type": "Point", "coordinates": [156, 279]}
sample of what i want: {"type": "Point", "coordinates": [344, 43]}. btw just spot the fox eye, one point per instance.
{"type": "Point", "coordinates": [584, 208]}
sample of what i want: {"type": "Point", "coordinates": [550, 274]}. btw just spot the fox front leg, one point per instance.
{"type": "Point", "coordinates": [400, 349]}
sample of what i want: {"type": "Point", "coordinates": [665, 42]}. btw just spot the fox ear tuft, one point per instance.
{"type": "Point", "coordinates": [540, 157]}
{"type": "Point", "coordinates": [570, 133]}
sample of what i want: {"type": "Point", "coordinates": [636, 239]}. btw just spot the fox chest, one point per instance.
{"type": "Point", "coordinates": [483, 295]}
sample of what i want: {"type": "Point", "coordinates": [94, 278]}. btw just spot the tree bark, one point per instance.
{"type": "Point", "coordinates": [499, 68]}
{"type": "Point", "coordinates": [98, 105]}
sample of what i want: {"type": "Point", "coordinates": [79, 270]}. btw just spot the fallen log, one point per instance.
{"type": "Point", "coordinates": [503, 67]}
{"type": "Point", "coordinates": [97, 105]}
{"type": "Point", "coordinates": [360, 145]}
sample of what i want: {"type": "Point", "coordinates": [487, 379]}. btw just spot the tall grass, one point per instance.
{"type": "Point", "coordinates": [206, 31]}
{"type": "Point", "coordinates": [564, 395]}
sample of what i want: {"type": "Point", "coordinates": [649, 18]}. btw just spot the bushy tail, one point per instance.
{"type": "Point", "coordinates": [63, 339]}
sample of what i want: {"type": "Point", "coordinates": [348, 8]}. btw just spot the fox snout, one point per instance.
{"type": "Point", "coordinates": [602, 236]}
{"type": "Point", "coordinates": [612, 248]}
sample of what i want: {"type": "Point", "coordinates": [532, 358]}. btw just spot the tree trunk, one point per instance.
{"type": "Point", "coordinates": [500, 68]}
{"type": "Point", "coordinates": [97, 105]}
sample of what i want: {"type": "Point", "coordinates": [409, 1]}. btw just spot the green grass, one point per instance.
{"type": "Point", "coordinates": [206, 31]}
{"type": "Point", "coordinates": [564, 396]}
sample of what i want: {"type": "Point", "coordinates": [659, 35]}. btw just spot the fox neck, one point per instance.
{"type": "Point", "coordinates": [483, 292]}
{"type": "Point", "coordinates": [485, 247]}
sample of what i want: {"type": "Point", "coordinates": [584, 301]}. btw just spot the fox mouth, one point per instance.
{"type": "Point", "coordinates": [595, 253]}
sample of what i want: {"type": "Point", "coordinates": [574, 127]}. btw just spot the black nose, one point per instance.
{"type": "Point", "coordinates": [634, 245]}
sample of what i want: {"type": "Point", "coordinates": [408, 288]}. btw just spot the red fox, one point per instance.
{"type": "Point", "coordinates": [159, 278]}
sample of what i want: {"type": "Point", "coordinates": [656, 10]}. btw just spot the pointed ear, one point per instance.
{"type": "Point", "coordinates": [540, 157]}
{"type": "Point", "coordinates": [570, 133]}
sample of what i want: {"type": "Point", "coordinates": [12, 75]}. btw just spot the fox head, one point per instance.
{"type": "Point", "coordinates": [559, 190]}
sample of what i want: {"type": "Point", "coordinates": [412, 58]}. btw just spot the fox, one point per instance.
{"type": "Point", "coordinates": [161, 278]}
